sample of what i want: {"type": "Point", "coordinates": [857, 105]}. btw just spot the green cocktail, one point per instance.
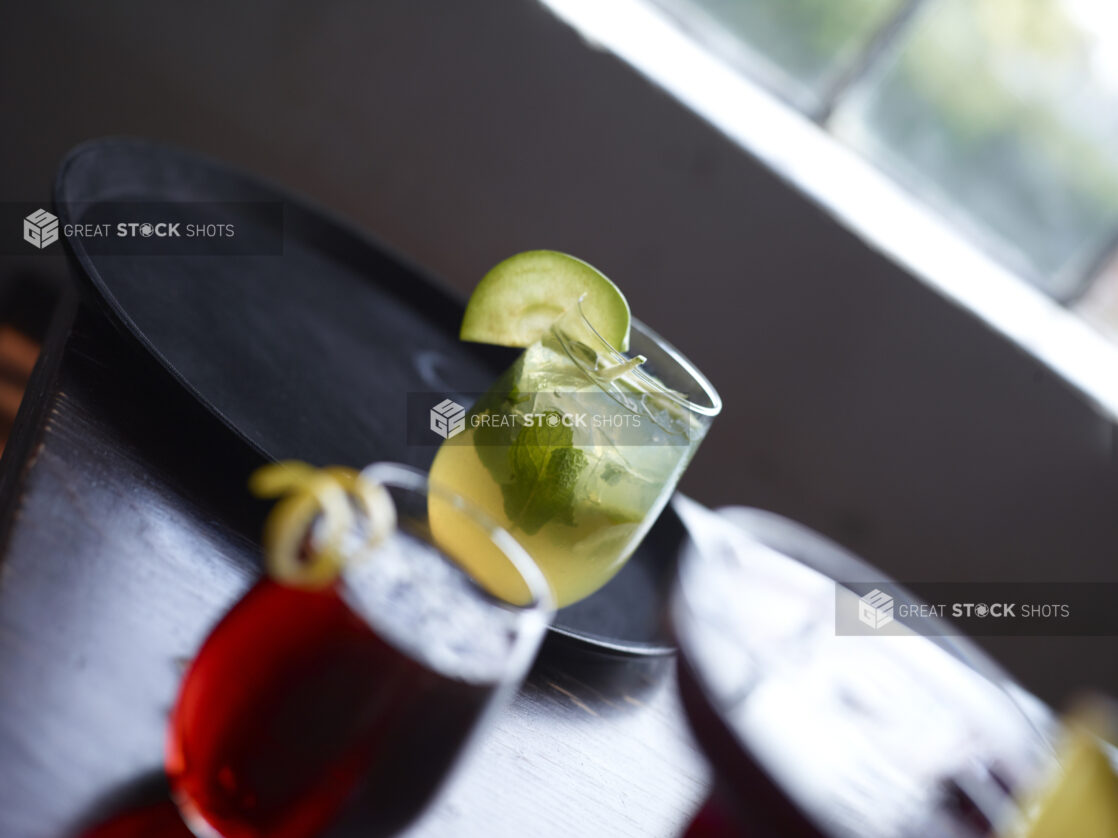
{"type": "Point", "coordinates": [574, 451]}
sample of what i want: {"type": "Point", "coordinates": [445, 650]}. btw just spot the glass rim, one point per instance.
{"type": "Point", "coordinates": [715, 406]}
{"type": "Point", "coordinates": [409, 478]}
{"type": "Point", "coordinates": [823, 557]}
{"type": "Point", "coordinates": [684, 602]}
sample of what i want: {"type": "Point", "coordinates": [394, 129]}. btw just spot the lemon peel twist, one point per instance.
{"type": "Point", "coordinates": [323, 518]}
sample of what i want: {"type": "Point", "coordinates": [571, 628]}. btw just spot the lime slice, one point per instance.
{"type": "Point", "coordinates": [519, 299]}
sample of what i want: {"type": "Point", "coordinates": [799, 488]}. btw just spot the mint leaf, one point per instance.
{"type": "Point", "coordinates": [536, 467]}
{"type": "Point", "coordinates": [612, 473]}
{"type": "Point", "coordinates": [544, 468]}
{"type": "Point", "coordinates": [492, 442]}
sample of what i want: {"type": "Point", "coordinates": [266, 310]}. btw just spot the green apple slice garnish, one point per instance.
{"type": "Point", "coordinates": [519, 299]}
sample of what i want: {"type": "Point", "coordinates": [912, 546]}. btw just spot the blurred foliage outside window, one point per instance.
{"type": "Point", "coordinates": [1003, 114]}
{"type": "Point", "coordinates": [799, 48]}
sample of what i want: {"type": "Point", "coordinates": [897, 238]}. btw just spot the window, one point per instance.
{"type": "Point", "coordinates": [801, 49]}
{"type": "Point", "coordinates": [1000, 114]}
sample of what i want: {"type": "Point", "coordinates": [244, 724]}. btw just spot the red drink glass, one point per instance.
{"type": "Point", "coordinates": [816, 734]}
{"type": "Point", "coordinates": [352, 702]}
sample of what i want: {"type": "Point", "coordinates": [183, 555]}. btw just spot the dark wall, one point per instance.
{"type": "Point", "coordinates": [857, 400]}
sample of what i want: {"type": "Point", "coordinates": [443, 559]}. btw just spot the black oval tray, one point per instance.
{"type": "Point", "coordinates": [310, 354]}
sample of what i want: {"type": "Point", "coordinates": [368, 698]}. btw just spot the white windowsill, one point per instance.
{"type": "Point", "coordinates": [859, 196]}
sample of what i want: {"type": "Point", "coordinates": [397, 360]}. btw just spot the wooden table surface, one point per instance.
{"type": "Point", "coordinates": [128, 533]}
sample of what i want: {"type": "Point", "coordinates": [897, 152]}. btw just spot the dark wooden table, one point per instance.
{"type": "Point", "coordinates": [128, 533]}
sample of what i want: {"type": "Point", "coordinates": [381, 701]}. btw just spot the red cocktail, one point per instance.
{"type": "Point", "coordinates": [813, 734]}
{"type": "Point", "coordinates": [350, 701]}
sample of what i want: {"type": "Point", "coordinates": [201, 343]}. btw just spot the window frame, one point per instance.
{"type": "Point", "coordinates": [869, 203]}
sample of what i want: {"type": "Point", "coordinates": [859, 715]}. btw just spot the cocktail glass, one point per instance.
{"type": "Point", "coordinates": [575, 450]}
{"type": "Point", "coordinates": [813, 734]}
{"type": "Point", "coordinates": [354, 701]}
